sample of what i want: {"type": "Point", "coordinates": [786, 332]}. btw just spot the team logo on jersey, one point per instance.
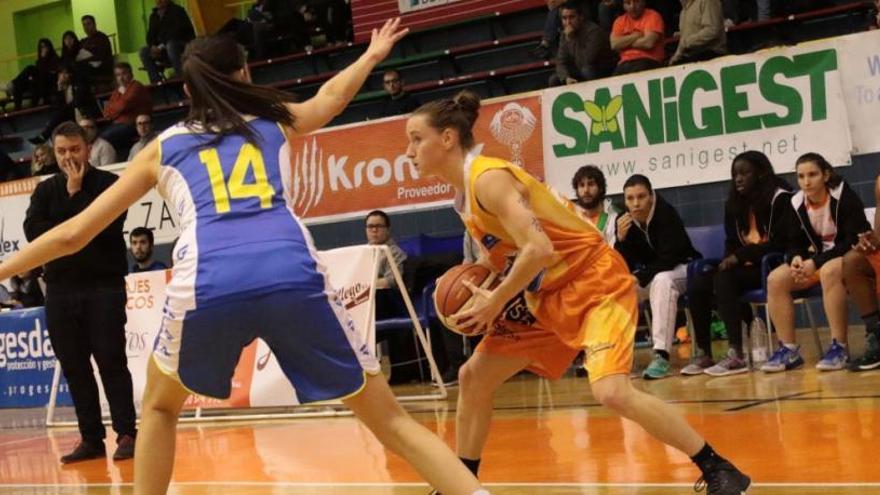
{"type": "Point", "coordinates": [489, 241]}
{"type": "Point", "coordinates": [512, 126]}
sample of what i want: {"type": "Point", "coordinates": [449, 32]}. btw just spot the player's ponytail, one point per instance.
{"type": "Point", "coordinates": [459, 112]}
{"type": "Point", "coordinates": [218, 99]}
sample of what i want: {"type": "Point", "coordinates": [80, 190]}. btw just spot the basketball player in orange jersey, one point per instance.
{"type": "Point", "coordinates": [578, 289]}
{"type": "Point", "coordinates": [860, 269]}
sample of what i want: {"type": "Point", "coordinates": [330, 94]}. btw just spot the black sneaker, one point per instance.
{"type": "Point", "coordinates": [870, 360]}
{"type": "Point", "coordinates": [723, 479]}
{"type": "Point", "coordinates": [85, 451]}
{"type": "Point", "coordinates": [124, 448]}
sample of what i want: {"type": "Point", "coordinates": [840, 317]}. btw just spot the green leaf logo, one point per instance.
{"type": "Point", "coordinates": [604, 119]}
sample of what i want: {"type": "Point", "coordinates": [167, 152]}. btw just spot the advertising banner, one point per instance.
{"type": "Point", "coordinates": [406, 6]}
{"type": "Point", "coordinates": [683, 125]}
{"type": "Point", "coordinates": [27, 361]}
{"type": "Point", "coordinates": [348, 171]}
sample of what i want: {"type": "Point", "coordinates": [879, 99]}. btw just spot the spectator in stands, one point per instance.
{"type": "Point", "coordinates": [43, 161]}
{"type": "Point", "coordinates": [99, 63]}
{"type": "Point", "coordinates": [638, 36]}
{"type": "Point", "coordinates": [169, 31]}
{"type": "Point", "coordinates": [72, 99]}
{"type": "Point", "coordinates": [102, 152]}
{"type": "Point", "coordinates": [754, 226]}
{"type": "Point", "coordinates": [85, 295]}
{"type": "Point", "coordinates": [26, 291]}
{"type": "Point", "coordinates": [144, 126]}
{"type": "Point", "coordinates": [590, 187]}
{"type": "Point", "coordinates": [860, 269]}
{"type": "Point", "coordinates": [72, 51]}
{"type": "Point", "coordinates": [378, 227]}
{"type": "Point", "coordinates": [584, 49]}
{"type": "Point", "coordinates": [338, 20]}
{"type": "Point", "coordinates": [825, 222]}
{"type": "Point", "coordinates": [702, 35]}
{"type": "Point", "coordinates": [398, 100]}
{"type": "Point", "coordinates": [289, 19]}
{"type": "Point", "coordinates": [652, 239]}
{"type": "Point", "coordinates": [37, 80]}
{"type": "Point", "coordinates": [129, 99]}
{"type": "Point", "coordinates": [141, 246]}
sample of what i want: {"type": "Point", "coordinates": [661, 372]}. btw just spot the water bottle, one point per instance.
{"type": "Point", "coordinates": [760, 342]}
{"type": "Point", "coordinates": [747, 354]}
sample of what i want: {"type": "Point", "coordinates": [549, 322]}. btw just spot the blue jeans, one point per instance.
{"type": "Point", "coordinates": [171, 56]}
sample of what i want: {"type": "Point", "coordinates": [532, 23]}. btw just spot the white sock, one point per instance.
{"type": "Point", "coordinates": [481, 492]}
{"type": "Point", "coordinates": [791, 347]}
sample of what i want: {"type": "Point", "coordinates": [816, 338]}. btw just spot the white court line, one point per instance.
{"type": "Point", "coordinates": [418, 484]}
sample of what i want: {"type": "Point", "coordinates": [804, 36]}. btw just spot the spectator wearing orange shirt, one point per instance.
{"type": "Point", "coordinates": [129, 99]}
{"type": "Point", "coordinates": [638, 36]}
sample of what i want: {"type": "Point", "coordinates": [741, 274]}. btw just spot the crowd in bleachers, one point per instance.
{"type": "Point", "coordinates": [84, 84]}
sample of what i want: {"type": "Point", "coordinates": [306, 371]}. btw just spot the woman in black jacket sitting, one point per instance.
{"type": "Point", "coordinates": [754, 226]}
{"type": "Point", "coordinates": [823, 223]}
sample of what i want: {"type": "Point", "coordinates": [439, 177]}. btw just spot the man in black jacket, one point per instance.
{"type": "Point", "coordinates": [652, 239]}
{"type": "Point", "coordinates": [169, 31]}
{"type": "Point", "coordinates": [85, 298]}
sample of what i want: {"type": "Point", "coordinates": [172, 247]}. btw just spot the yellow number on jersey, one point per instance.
{"type": "Point", "coordinates": [249, 158]}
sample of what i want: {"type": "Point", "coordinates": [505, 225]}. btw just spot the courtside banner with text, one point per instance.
{"type": "Point", "coordinates": [683, 125]}
{"type": "Point", "coordinates": [342, 173]}
{"type": "Point", "coordinates": [27, 360]}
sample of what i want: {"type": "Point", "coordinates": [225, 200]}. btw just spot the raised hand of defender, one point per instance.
{"type": "Point", "coordinates": [482, 313]}
{"type": "Point", "coordinates": [383, 39]}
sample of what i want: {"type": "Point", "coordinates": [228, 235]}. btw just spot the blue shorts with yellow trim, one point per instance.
{"type": "Point", "coordinates": [309, 332]}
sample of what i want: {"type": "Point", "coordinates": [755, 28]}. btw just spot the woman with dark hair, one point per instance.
{"type": "Point", "coordinates": [824, 222]}
{"type": "Point", "coordinates": [37, 79]}
{"type": "Point", "coordinates": [245, 263]}
{"type": "Point", "coordinates": [753, 226]}
{"type": "Point", "coordinates": [576, 291]}
{"type": "Point", "coordinates": [72, 51]}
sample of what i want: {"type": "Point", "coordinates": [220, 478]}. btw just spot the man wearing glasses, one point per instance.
{"type": "Point", "coordinates": [398, 101]}
{"type": "Point", "coordinates": [378, 227]}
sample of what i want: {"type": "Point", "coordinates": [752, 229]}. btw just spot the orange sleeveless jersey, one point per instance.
{"type": "Point", "coordinates": [576, 241]}
{"type": "Point", "coordinates": [585, 298]}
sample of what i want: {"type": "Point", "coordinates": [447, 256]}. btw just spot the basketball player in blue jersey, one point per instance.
{"type": "Point", "coordinates": [245, 267]}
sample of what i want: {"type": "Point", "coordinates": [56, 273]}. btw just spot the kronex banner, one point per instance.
{"type": "Point", "coordinates": [414, 5]}
{"type": "Point", "coordinates": [345, 172]}
{"type": "Point", "coordinates": [684, 125]}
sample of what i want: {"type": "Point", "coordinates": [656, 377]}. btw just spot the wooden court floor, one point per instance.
{"type": "Point", "coordinates": [800, 432]}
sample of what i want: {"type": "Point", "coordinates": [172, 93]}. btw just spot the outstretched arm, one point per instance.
{"type": "Point", "coordinates": [72, 235]}
{"type": "Point", "coordinates": [336, 93]}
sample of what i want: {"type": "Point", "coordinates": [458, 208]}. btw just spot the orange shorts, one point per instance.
{"type": "Point", "coordinates": [874, 260]}
{"type": "Point", "coordinates": [596, 312]}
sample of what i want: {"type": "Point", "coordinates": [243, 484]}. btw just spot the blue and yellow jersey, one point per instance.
{"type": "Point", "coordinates": [239, 236]}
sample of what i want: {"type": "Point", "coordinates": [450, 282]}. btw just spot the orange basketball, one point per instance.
{"type": "Point", "coordinates": [451, 295]}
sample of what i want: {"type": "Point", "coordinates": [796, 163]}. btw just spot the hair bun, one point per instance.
{"type": "Point", "coordinates": [469, 103]}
